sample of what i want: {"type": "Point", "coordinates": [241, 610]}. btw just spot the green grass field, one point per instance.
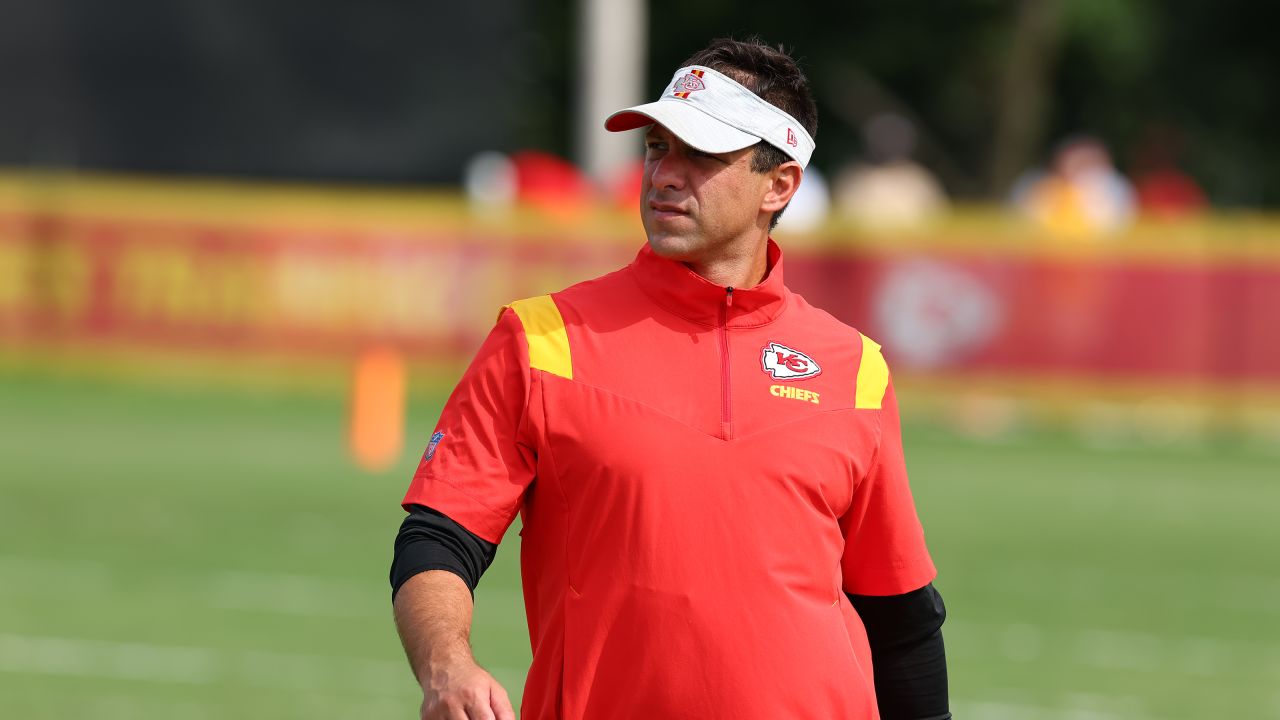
{"type": "Point", "coordinates": [188, 553]}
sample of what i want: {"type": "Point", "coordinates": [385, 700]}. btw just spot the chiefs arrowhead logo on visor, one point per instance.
{"type": "Point", "coordinates": [784, 363]}
{"type": "Point", "coordinates": [691, 82]}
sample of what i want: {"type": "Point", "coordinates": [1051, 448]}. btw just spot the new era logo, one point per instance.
{"type": "Point", "coordinates": [784, 363]}
{"type": "Point", "coordinates": [791, 138]}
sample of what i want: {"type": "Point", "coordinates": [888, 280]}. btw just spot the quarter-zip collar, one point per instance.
{"type": "Point", "coordinates": [689, 295]}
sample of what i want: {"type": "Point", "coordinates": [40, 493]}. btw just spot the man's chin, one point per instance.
{"type": "Point", "coordinates": [672, 247]}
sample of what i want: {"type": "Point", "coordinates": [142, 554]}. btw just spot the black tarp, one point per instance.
{"type": "Point", "coordinates": [383, 90]}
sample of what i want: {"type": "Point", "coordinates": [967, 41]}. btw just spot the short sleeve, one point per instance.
{"type": "Point", "coordinates": [477, 463]}
{"type": "Point", "coordinates": [885, 552]}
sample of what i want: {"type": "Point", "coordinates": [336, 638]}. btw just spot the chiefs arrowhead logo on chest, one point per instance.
{"type": "Point", "coordinates": [783, 363]}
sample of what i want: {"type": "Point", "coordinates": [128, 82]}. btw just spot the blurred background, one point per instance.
{"type": "Point", "coordinates": [246, 250]}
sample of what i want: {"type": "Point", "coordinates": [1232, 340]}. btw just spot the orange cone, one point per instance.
{"type": "Point", "coordinates": [377, 409]}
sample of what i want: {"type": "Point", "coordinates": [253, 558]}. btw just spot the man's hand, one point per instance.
{"type": "Point", "coordinates": [462, 690]}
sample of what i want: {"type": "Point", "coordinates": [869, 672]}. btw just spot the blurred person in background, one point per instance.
{"type": "Point", "coordinates": [810, 206]}
{"type": "Point", "coordinates": [1083, 195]}
{"type": "Point", "coordinates": [717, 521]}
{"type": "Point", "coordinates": [1165, 192]}
{"type": "Point", "coordinates": [495, 182]}
{"type": "Point", "coordinates": [892, 191]}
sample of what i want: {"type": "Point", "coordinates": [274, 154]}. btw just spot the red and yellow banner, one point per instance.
{"type": "Point", "coordinates": [245, 269]}
{"type": "Point", "coordinates": [996, 313]}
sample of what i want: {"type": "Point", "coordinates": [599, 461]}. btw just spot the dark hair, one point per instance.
{"type": "Point", "coordinates": [770, 73]}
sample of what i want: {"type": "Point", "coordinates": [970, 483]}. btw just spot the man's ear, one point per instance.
{"type": "Point", "coordinates": [784, 181]}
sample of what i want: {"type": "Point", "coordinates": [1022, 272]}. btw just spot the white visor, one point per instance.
{"type": "Point", "coordinates": [715, 114]}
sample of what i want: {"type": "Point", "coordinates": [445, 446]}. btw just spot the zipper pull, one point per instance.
{"type": "Point", "coordinates": [728, 297]}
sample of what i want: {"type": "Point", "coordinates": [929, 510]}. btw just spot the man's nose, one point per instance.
{"type": "Point", "coordinates": [667, 171]}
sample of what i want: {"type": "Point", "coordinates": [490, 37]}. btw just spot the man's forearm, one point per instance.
{"type": "Point", "coordinates": [433, 617]}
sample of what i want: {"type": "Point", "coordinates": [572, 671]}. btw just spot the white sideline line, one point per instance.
{"type": "Point", "coordinates": [318, 596]}
{"type": "Point", "coordinates": [117, 661]}
{"type": "Point", "coordinates": [304, 595]}
{"type": "Point", "coordinates": [279, 593]}
{"type": "Point", "coordinates": [1118, 650]}
{"type": "Point", "coordinates": [996, 710]}
{"type": "Point", "coordinates": [188, 665]}
{"type": "Point", "coordinates": [125, 706]}
{"type": "Point", "coordinates": [41, 576]}
{"type": "Point", "coordinates": [1213, 591]}
{"type": "Point", "coordinates": [113, 706]}
{"type": "Point", "coordinates": [1014, 703]}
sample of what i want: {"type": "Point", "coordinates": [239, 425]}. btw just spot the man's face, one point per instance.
{"type": "Point", "coordinates": [695, 205]}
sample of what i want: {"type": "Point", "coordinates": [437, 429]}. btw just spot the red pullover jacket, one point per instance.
{"type": "Point", "coordinates": [702, 473]}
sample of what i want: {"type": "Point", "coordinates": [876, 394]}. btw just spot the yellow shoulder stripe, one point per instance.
{"type": "Point", "coordinates": [873, 377]}
{"type": "Point", "coordinates": [544, 330]}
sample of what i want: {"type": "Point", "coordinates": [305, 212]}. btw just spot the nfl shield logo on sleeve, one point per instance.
{"type": "Point", "coordinates": [431, 446]}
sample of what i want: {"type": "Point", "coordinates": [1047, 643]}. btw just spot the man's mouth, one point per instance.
{"type": "Point", "coordinates": [664, 209]}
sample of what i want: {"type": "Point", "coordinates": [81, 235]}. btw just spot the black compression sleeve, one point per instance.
{"type": "Point", "coordinates": [430, 540]}
{"type": "Point", "coordinates": [910, 662]}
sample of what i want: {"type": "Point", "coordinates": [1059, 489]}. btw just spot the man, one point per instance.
{"type": "Point", "coordinates": [716, 517]}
